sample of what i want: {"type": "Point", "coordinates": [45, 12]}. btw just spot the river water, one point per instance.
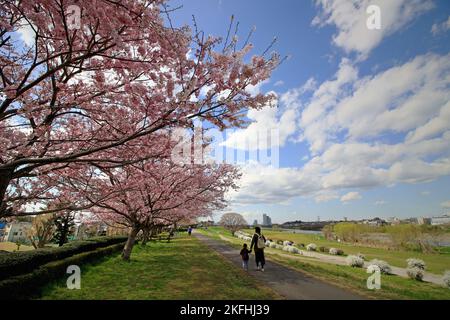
{"type": "Point", "coordinates": [301, 231]}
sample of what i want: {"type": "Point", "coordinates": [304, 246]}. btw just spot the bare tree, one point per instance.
{"type": "Point", "coordinates": [41, 231]}
{"type": "Point", "coordinates": [233, 221]}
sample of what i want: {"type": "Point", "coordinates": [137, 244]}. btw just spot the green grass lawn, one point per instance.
{"type": "Point", "coordinates": [183, 269]}
{"type": "Point", "coordinates": [436, 262]}
{"type": "Point", "coordinates": [11, 246]}
{"type": "Point", "coordinates": [392, 287]}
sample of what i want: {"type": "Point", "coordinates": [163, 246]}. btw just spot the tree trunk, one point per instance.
{"type": "Point", "coordinates": [129, 245]}
{"type": "Point", "coordinates": [5, 179]}
{"type": "Point", "coordinates": [145, 236]}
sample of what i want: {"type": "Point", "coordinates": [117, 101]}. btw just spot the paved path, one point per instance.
{"type": "Point", "coordinates": [288, 283]}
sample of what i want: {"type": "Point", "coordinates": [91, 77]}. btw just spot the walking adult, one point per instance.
{"type": "Point", "coordinates": [259, 242]}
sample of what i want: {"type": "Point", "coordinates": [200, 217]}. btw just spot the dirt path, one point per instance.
{"type": "Point", "coordinates": [288, 283]}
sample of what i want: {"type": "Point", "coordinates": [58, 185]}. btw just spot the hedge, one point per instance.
{"type": "Point", "coordinates": [29, 285]}
{"type": "Point", "coordinates": [17, 263]}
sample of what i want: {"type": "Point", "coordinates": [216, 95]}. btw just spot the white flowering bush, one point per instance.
{"type": "Point", "coordinates": [247, 238]}
{"type": "Point", "coordinates": [415, 264]}
{"type": "Point", "coordinates": [279, 246]}
{"type": "Point", "coordinates": [268, 243]}
{"type": "Point", "coordinates": [287, 243]}
{"type": "Point", "coordinates": [372, 268]}
{"type": "Point", "coordinates": [294, 250]}
{"type": "Point", "coordinates": [333, 251]}
{"type": "Point", "coordinates": [383, 265]}
{"type": "Point", "coordinates": [415, 273]}
{"type": "Point", "coordinates": [446, 278]}
{"type": "Point", "coordinates": [360, 255]}
{"type": "Point", "coordinates": [355, 261]}
{"type": "Point", "coordinates": [336, 252]}
{"type": "Point", "coordinates": [273, 245]}
{"type": "Point", "coordinates": [311, 247]}
{"type": "Point", "coordinates": [286, 248]}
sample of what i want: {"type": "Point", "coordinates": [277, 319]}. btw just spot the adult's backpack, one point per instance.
{"type": "Point", "coordinates": [261, 242]}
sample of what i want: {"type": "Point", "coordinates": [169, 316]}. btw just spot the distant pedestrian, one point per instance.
{"type": "Point", "coordinates": [258, 242]}
{"type": "Point", "coordinates": [245, 254]}
{"type": "Point", "coordinates": [189, 230]}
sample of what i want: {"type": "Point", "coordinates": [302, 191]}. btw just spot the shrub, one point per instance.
{"type": "Point", "coordinates": [287, 243]}
{"type": "Point", "coordinates": [311, 247]}
{"type": "Point", "coordinates": [415, 264]}
{"type": "Point", "coordinates": [279, 246]}
{"type": "Point", "coordinates": [294, 250]}
{"type": "Point", "coordinates": [415, 273]}
{"type": "Point", "coordinates": [280, 242]}
{"type": "Point", "coordinates": [286, 248]}
{"type": "Point", "coordinates": [355, 261]}
{"type": "Point", "coordinates": [16, 263]}
{"type": "Point", "coordinates": [383, 265]}
{"type": "Point", "coordinates": [268, 243]}
{"type": "Point", "coordinates": [336, 252]}
{"type": "Point", "coordinates": [360, 255]}
{"type": "Point", "coordinates": [323, 249]}
{"type": "Point", "coordinates": [273, 245]}
{"type": "Point", "coordinates": [446, 278]}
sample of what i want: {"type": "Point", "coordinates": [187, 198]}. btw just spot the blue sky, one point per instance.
{"type": "Point", "coordinates": [364, 115]}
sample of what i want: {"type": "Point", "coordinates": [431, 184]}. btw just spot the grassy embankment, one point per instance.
{"type": "Point", "coordinates": [392, 287]}
{"type": "Point", "coordinates": [436, 262]}
{"type": "Point", "coordinates": [182, 269]}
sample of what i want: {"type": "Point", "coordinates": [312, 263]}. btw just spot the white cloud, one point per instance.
{"type": "Point", "coordinates": [256, 89]}
{"type": "Point", "coordinates": [270, 128]}
{"type": "Point", "coordinates": [379, 130]}
{"type": "Point", "coordinates": [425, 193]}
{"type": "Point", "coordinates": [279, 83]}
{"type": "Point", "coordinates": [446, 204]}
{"type": "Point", "coordinates": [351, 196]}
{"type": "Point", "coordinates": [380, 202]}
{"type": "Point", "coordinates": [442, 27]}
{"type": "Point", "coordinates": [325, 196]}
{"type": "Point", "coordinates": [350, 19]}
{"type": "Point", "coordinates": [26, 33]}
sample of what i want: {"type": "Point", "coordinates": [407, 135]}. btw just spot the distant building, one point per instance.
{"type": "Point", "coordinates": [444, 219]}
{"type": "Point", "coordinates": [16, 231]}
{"type": "Point", "coordinates": [394, 220]}
{"type": "Point", "coordinates": [207, 223]}
{"type": "Point", "coordinates": [409, 220]}
{"type": "Point", "coordinates": [2, 229]}
{"type": "Point", "coordinates": [255, 223]}
{"type": "Point", "coordinates": [423, 220]}
{"type": "Point", "coordinates": [267, 221]}
{"type": "Point", "coordinates": [374, 222]}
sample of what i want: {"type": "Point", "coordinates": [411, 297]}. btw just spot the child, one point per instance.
{"type": "Point", "coordinates": [245, 257]}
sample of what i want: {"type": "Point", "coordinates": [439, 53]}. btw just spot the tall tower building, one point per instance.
{"type": "Point", "coordinates": [267, 221]}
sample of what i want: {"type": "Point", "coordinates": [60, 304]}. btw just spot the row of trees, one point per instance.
{"type": "Point", "coordinates": [87, 111]}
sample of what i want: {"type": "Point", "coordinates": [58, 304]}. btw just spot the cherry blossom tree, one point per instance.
{"type": "Point", "coordinates": [152, 193]}
{"type": "Point", "coordinates": [82, 93]}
